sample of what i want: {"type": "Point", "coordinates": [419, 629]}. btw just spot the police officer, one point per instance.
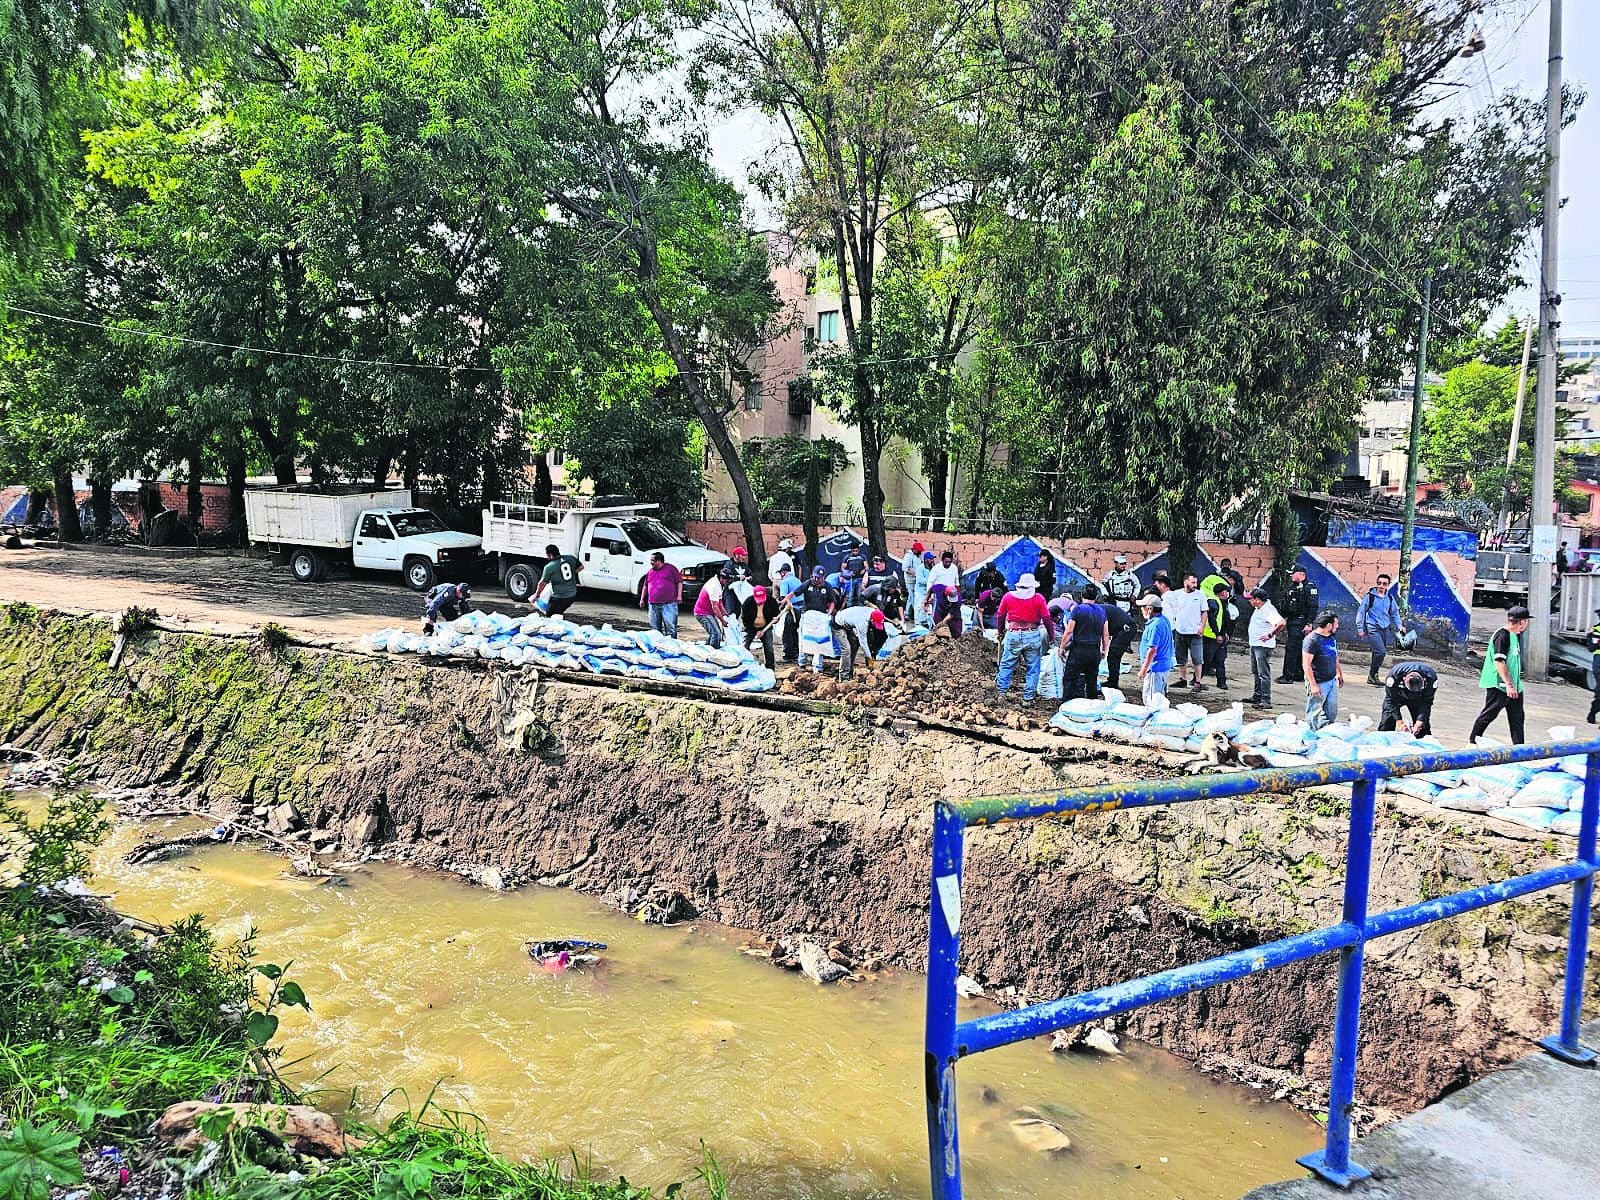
{"type": "Point", "coordinates": [1592, 640]}
{"type": "Point", "coordinates": [445, 602]}
{"type": "Point", "coordinates": [1409, 685]}
{"type": "Point", "coordinates": [1299, 607]}
{"type": "Point", "coordinates": [1122, 585]}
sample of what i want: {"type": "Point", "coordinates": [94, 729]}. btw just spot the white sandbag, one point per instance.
{"type": "Point", "coordinates": [1563, 733]}
{"type": "Point", "coordinates": [1229, 721]}
{"type": "Point", "coordinates": [1504, 780]}
{"type": "Point", "coordinates": [1410, 785]}
{"type": "Point", "coordinates": [1485, 742]}
{"type": "Point", "coordinates": [1466, 799]}
{"type": "Point", "coordinates": [1278, 759]}
{"type": "Point", "coordinates": [1549, 789]}
{"type": "Point", "coordinates": [1112, 696]}
{"type": "Point", "coordinates": [1083, 729]}
{"type": "Point", "coordinates": [1567, 823]}
{"type": "Point", "coordinates": [1534, 818]}
{"type": "Point", "coordinates": [1083, 709]}
{"type": "Point", "coordinates": [1444, 779]}
{"type": "Point", "coordinates": [1157, 741]}
{"type": "Point", "coordinates": [1172, 722]}
{"type": "Point", "coordinates": [1289, 739]}
{"type": "Point", "coordinates": [1254, 733]}
{"type": "Point", "coordinates": [1128, 714]}
{"type": "Point", "coordinates": [1332, 749]}
{"type": "Point", "coordinates": [1050, 669]}
{"type": "Point", "coordinates": [816, 635]}
{"type": "Point", "coordinates": [1575, 765]}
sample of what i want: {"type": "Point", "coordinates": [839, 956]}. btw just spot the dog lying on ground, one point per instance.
{"type": "Point", "coordinates": [1219, 753]}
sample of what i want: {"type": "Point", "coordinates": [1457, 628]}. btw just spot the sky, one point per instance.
{"type": "Point", "coordinates": [1515, 57]}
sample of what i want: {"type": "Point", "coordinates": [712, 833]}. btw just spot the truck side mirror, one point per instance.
{"type": "Point", "coordinates": [620, 547]}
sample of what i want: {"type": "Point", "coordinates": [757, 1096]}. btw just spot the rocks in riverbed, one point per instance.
{"type": "Point", "coordinates": [815, 964]}
{"type": "Point", "coordinates": [819, 964]}
{"type": "Point", "coordinates": [1038, 1133]}
{"type": "Point", "coordinates": [282, 820]}
{"type": "Point", "coordinates": [660, 905]}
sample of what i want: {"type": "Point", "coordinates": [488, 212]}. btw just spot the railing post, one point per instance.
{"type": "Point", "coordinates": [1566, 1046]}
{"type": "Point", "coordinates": [944, 948]}
{"type": "Point", "coordinates": [1332, 1162]}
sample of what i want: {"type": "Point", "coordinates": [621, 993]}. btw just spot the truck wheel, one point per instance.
{"type": "Point", "coordinates": [305, 565]}
{"type": "Point", "coordinates": [520, 582]}
{"type": "Point", "coordinates": [419, 574]}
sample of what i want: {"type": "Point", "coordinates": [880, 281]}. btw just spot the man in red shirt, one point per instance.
{"type": "Point", "coordinates": [1025, 629]}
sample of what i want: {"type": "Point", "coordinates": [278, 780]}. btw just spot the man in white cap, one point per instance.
{"type": "Point", "coordinates": [1122, 585]}
{"type": "Point", "coordinates": [782, 557]}
{"type": "Point", "coordinates": [1023, 624]}
{"type": "Point", "coordinates": [1156, 656]}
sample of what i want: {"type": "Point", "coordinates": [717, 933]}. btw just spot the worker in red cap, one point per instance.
{"type": "Point", "coordinates": [914, 570]}
{"type": "Point", "coordinates": [739, 563]}
{"type": "Point", "coordinates": [759, 616]}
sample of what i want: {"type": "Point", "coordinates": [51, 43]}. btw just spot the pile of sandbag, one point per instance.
{"type": "Point", "coordinates": [552, 642]}
{"type": "Point", "coordinates": [1546, 795]}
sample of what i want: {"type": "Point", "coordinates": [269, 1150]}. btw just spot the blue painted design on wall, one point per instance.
{"type": "Point", "coordinates": [1019, 558]}
{"type": "Point", "coordinates": [1385, 535]}
{"type": "Point", "coordinates": [1201, 565]}
{"type": "Point", "coordinates": [1333, 592]}
{"type": "Point", "coordinates": [1433, 595]}
{"type": "Point", "coordinates": [833, 548]}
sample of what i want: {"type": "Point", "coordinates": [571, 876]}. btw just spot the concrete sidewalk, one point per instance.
{"type": "Point", "coordinates": [1528, 1131]}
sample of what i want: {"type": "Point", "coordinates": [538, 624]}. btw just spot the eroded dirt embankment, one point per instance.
{"type": "Point", "coordinates": [783, 821]}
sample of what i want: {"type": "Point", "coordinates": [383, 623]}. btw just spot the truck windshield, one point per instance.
{"type": "Point", "coordinates": [410, 524]}
{"type": "Point", "coordinates": [647, 533]}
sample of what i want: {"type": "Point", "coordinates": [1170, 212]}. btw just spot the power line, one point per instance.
{"type": "Point", "coordinates": [189, 341]}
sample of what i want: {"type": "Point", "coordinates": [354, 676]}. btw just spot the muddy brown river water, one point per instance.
{"type": "Point", "coordinates": [678, 1039]}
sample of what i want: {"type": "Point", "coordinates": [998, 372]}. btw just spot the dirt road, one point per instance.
{"type": "Point", "coordinates": [235, 594]}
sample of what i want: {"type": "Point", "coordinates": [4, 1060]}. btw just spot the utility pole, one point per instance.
{"type": "Point", "coordinates": [1541, 520]}
{"type": "Point", "coordinates": [1516, 429]}
{"type": "Point", "coordinates": [1414, 450]}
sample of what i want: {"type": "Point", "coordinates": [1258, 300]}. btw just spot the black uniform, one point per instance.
{"type": "Point", "coordinates": [1119, 625]}
{"type": "Point", "coordinates": [1418, 705]}
{"type": "Point", "coordinates": [1299, 608]}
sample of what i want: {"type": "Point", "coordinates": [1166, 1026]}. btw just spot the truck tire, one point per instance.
{"type": "Point", "coordinates": [419, 573]}
{"type": "Point", "coordinates": [305, 565]}
{"type": "Point", "coordinates": [520, 582]}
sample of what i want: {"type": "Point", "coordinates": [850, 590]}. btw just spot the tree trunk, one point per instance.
{"type": "Point", "coordinates": [1284, 532]}
{"type": "Point", "coordinates": [811, 514]}
{"type": "Point", "coordinates": [938, 484]}
{"type": "Point", "coordinates": [194, 496]}
{"type": "Point", "coordinates": [279, 449]}
{"type": "Point", "coordinates": [871, 490]}
{"type": "Point", "coordinates": [236, 469]}
{"type": "Point", "coordinates": [67, 522]}
{"type": "Point", "coordinates": [380, 469]}
{"type": "Point", "coordinates": [716, 428]}
{"type": "Point", "coordinates": [100, 503]}
{"type": "Point", "coordinates": [543, 485]}
{"type": "Point", "coordinates": [1181, 543]}
{"type": "Point", "coordinates": [411, 469]}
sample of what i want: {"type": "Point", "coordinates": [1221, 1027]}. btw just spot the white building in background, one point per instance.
{"type": "Point", "coordinates": [1384, 436]}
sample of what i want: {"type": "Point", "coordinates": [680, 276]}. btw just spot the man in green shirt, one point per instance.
{"type": "Point", "coordinates": [561, 577]}
{"type": "Point", "coordinates": [1501, 678]}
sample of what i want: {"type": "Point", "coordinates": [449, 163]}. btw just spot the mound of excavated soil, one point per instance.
{"type": "Point", "coordinates": [948, 678]}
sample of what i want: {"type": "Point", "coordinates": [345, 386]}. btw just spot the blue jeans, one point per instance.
{"type": "Point", "coordinates": [1026, 645]}
{"type": "Point", "coordinates": [1378, 642]}
{"type": "Point", "coordinates": [1323, 707]}
{"type": "Point", "coordinates": [664, 618]}
{"type": "Point", "coordinates": [713, 628]}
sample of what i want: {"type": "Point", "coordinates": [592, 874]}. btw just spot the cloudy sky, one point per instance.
{"type": "Point", "coordinates": [1515, 57]}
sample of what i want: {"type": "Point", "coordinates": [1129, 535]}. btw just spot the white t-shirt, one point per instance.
{"type": "Point", "coordinates": [949, 576]}
{"type": "Point", "coordinates": [1262, 622]}
{"type": "Point", "coordinates": [780, 558]}
{"type": "Point", "coordinates": [1186, 610]}
{"type": "Point", "coordinates": [858, 617]}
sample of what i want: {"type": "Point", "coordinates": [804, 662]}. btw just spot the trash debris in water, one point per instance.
{"type": "Point", "coordinates": [562, 954]}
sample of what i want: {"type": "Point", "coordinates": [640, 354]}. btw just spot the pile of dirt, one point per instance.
{"type": "Point", "coordinates": [951, 679]}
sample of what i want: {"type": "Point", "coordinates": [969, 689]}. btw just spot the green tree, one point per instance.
{"type": "Point", "coordinates": [796, 471]}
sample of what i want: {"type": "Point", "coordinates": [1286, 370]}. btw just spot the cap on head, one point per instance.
{"type": "Point", "coordinates": [785, 543]}
{"type": "Point", "coordinates": [1517, 612]}
{"type": "Point", "coordinates": [1120, 560]}
{"type": "Point", "coordinates": [740, 552]}
{"type": "Point", "coordinates": [783, 569]}
{"type": "Point", "coordinates": [759, 594]}
{"type": "Point", "coordinates": [876, 619]}
{"type": "Point", "coordinates": [1297, 569]}
{"type": "Point", "coordinates": [927, 556]}
{"type": "Point", "coordinates": [1150, 600]}
{"type": "Point", "coordinates": [817, 572]}
{"type": "Point", "coordinates": [1258, 594]}
{"type": "Point", "coordinates": [917, 547]}
{"type": "Point", "coordinates": [1027, 585]}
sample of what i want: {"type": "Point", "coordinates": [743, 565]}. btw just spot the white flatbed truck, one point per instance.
{"type": "Point", "coordinates": [379, 529]}
{"type": "Point", "coordinates": [614, 543]}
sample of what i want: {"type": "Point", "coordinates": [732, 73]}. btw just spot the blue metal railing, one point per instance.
{"type": "Point", "coordinates": [948, 1040]}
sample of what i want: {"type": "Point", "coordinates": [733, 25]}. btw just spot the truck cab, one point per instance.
{"type": "Point", "coordinates": [616, 553]}
{"type": "Point", "coordinates": [414, 542]}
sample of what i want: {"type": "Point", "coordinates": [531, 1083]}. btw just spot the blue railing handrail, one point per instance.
{"type": "Point", "coordinates": [989, 810]}
{"type": "Point", "coordinates": [949, 1040]}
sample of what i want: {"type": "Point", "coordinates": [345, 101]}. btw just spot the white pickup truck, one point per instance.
{"type": "Point", "coordinates": [375, 529]}
{"type": "Point", "coordinates": [614, 544]}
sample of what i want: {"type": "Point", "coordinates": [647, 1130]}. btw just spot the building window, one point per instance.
{"type": "Point", "coordinates": [752, 397]}
{"type": "Point", "coordinates": [828, 326]}
{"type": "Point", "coordinates": [1383, 479]}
